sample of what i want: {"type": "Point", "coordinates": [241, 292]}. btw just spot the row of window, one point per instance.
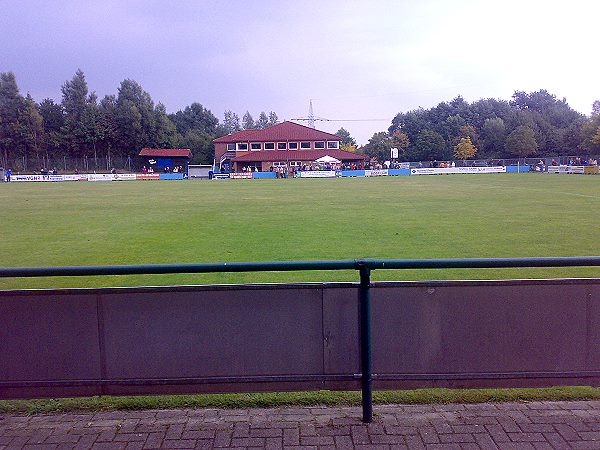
{"type": "Point", "coordinates": [257, 146]}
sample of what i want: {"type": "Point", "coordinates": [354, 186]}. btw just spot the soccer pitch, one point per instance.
{"type": "Point", "coordinates": [149, 222]}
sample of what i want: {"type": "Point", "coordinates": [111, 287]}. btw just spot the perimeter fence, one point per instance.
{"type": "Point", "coordinates": [152, 340]}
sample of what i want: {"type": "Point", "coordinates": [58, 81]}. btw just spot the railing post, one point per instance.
{"type": "Point", "coordinates": [365, 342]}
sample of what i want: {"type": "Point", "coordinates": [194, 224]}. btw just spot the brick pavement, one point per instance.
{"type": "Point", "coordinates": [534, 425]}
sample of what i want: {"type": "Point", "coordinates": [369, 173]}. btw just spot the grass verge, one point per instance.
{"type": "Point", "coordinates": [274, 399]}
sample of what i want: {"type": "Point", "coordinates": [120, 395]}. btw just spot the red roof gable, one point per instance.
{"type": "Point", "coordinates": [285, 131]}
{"type": "Point", "coordinates": [297, 155]}
{"type": "Point", "coordinates": [177, 152]}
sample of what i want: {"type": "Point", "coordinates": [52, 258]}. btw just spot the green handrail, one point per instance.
{"type": "Point", "coordinates": [279, 266]}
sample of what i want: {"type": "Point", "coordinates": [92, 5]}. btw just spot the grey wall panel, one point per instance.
{"type": "Point", "coordinates": [503, 328]}
{"type": "Point", "coordinates": [233, 332]}
{"type": "Point", "coordinates": [341, 330]}
{"type": "Point", "coordinates": [48, 337]}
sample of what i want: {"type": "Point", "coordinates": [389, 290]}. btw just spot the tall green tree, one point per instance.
{"type": "Point", "coordinates": [521, 142]}
{"type": "Point", "coordinates": [31, 128]}
{"type": "Point", "coordinates": [108, 111]}
{"type": "Point", "coordinates": [54, 121]}
{"type": "Point", "coordinates": [401, 142]}
{"type": "Point", "coordinates": [379, 146]}
{"type": "Point", "coordinates": [74, 103]}
{"type": "Point", "coordinates": [92, 127]}
{"type": "Point", "coordinates": [231, 122]}
{"type": "Point", "coordinates": [273, 119]}
{"type": "Point", "coordinates": [494, 135]}
{"type": "Point", "coordinates": [11, 104]}
{"type": "Point", "coordinates": [196, 117]}
{"type": "Point", "coordinates": [165, 131]}
{"type": "Point", "coordinates": [248, 121]}
{"type": "Point", "coordinates": [429, 145]}
{"type": "Point", "coordinates": [345, 137]}
{"type": "Point", "coordinates": [135, 117]}
{"type": "Point", "coordinates": [262, 122]}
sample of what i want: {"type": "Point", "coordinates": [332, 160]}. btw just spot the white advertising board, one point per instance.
{"type": "Point", "coordinates": [376, 173]}
{"type": "Point", "coordinates": [124, 177]}
{"type": "Point", "coordinates": [100, 177]}
{"type": "Point", "coordinates": [317, 174]}
{"type": "Point", "coordinates": [455, 170]}
{"type": "Point", "coordinates": [566, 169]}
{"type": "Point", "coordinates": [238, 175]}
{"type": "Point", "coordinates": [30, 178]}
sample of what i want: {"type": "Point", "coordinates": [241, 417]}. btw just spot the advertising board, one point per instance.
{"type": "Point", "coordinates": [317, 174]}
{"type": "Point", "coordinates": [457, 170]}
{"type": "Point", "coordinates": [240, 175]}
{"type": "Point", "coordinates": [376, 173]}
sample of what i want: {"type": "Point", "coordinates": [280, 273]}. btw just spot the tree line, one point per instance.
{"type": "Point", "coordinates": [535, 124]}
{"type": "Point", "coordinates": [83, 127]}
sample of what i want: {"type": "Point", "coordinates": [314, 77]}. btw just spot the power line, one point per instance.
{"type": "Point", "coordinates": [339, 120]}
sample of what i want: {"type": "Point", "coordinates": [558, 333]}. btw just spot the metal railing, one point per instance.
{"type": "Point", "coordinates": [363, 266]}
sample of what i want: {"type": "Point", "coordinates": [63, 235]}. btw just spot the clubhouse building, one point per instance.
{"type": "Point", "coordinates": [286, 144]}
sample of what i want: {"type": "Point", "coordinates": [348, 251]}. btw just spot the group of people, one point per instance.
{"type": "Point", "coordinates": [176, 169]}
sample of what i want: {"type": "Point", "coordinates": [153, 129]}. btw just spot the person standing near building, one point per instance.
{"type": "Point", "coordinates": [8, 174]}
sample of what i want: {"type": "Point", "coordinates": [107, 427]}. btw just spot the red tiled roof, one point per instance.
{"type": "Point", "coordinates": [286, 131]}
{"type": "Point", "coordinates": [177, 152]}
{"type": "Point", "coordinates": [297, 155]}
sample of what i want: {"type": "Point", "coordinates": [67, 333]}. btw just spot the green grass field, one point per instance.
{"type": "Point", "coordinates": [455, 216]}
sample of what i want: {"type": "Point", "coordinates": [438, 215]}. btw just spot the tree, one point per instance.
{"type": "Point", "coordinates": [53, 120]}
{"type": "Point", "coordinates": [596, 108]}
{"type": "Point", "coordinates": [248, 121]}
{"type": "Point", "coordinates": [379, 146]}
{"type": "Point", "coordinates": [75, 103]}
{"type": "Point", "coordinates": [521, 142]}
{"type": "Point", "coordinates": [165, 132]}
{"type": "Point", "coordinates": [91, 125]}
{"type": "Point", "coordinates": [11, 103]}
{"type": "Point", "coordinates": [346, 139]}
{"type": "Point", "coordinates": [464, 149]}
{"type": "Point", "coordinates": [231, 122]}
{"type": "Point", "coordinates": [494, 135]}
{"type": "Point", "coordinates": [201, 145]}
{"type": "Point", "coordinates": [273, 119]}
{"type": "Point", "coordinates": [401, 142]}
{"type": "Point", "coordinates": [195, 117]}
{"type": "Point", "coordinates": [262, 122]}
{"type": "Point", "coordinates": [31, 127]}
{"type": "Point", "coordinates": [429, 145]}
{"type": "Point", "coordinates": [135, 117]}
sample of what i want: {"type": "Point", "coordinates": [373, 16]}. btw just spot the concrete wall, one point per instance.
{"type": "Point", "coordinates": [297, 337]}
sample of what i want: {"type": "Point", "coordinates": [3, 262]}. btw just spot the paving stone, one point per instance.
{"type": "Point", "coordinates": [533, 426]}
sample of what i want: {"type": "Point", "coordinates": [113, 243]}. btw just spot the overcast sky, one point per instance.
{"type": "Point", "coordinates": [355, 59]}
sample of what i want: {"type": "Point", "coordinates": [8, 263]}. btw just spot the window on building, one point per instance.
{"type": "Point", "coordinates": [333, 144]}
{"type": "Point", "coordinates": [293, 146]}
{"type": "Point", "coordinates": [296, 163]}
{"type": "Point", "coordinates": [231, 147]}
{"type": "Point", "coordinates": [242, 146]}
{"type": "Point", "coordinates": [305, 145]}
{"type": "Point", "coordinates": [281, 145]}
{"type": "Point", "coordinates": [320, 144]}
{"type": "Point", "coordinates": [269, 145]}
{"type": "Point", "coordinates": [256, 146]}
{"type": "Point", "coordinates": [279, 164]}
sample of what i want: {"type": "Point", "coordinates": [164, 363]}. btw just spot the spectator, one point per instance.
{"type": "Point", "coordinates": [8, 174]}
